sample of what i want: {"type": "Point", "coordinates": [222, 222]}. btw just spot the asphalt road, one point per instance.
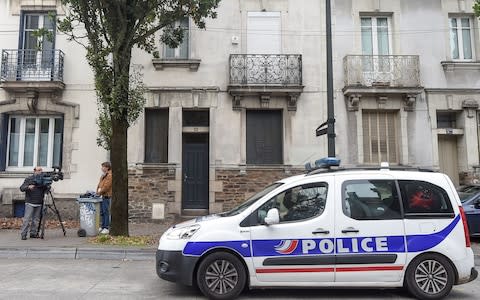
{"type": "Point", "coordinates": [114, 279]}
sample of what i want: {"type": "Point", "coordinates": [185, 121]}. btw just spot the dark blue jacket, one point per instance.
{"type": "Point", "coordinates": [35, 195]}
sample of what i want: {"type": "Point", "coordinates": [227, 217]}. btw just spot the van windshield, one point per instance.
{"type": "Point", "coordinates": [251, 200]}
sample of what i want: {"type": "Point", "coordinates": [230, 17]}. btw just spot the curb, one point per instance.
{"type": "Point", "coordinates": [78, 253]}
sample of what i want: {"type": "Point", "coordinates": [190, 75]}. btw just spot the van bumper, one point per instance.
{"type": "Point", "coordinates": [174, 266]}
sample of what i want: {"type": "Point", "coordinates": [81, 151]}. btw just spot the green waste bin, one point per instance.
{"type": "Point", "coordinates": [90, 215]}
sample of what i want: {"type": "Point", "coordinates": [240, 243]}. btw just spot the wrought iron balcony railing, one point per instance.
{"type": "Point", "coordinates": [32, 65]}
{"type": "Point", "coordinates": [266, 69]}
{"type": "Point", "coordinates": [394, 71]}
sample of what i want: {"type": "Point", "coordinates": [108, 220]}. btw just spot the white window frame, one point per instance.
{"type": "Point", "coordinates": [459, 29]}
{"type": "Point", "coordinates": [375, 33]}
{"type": "Point", "coordinates": [21, 142]}
{"type": "Point", "coordinates": [177, 49]}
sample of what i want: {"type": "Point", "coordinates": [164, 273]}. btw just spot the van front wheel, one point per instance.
{"type": "Point", "coordinates": [429, 277]}
{"type": "Point", "coordinates": [221, 276]}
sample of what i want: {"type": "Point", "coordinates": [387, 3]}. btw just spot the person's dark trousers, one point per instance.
{"type": "Point", "coordinates": [32, 213]}
{"type": "Point", "coordinates": [105, 212]}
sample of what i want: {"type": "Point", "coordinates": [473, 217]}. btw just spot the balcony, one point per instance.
{"type": "Point", "coordinates": [32, 70]}
{"type": "Point", "coordinates": [265, 75]}
{"type": "Point", "coordinates": [384, 74]}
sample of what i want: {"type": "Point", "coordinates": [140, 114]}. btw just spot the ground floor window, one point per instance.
{"type": "Point", "coordinates": [380, 137]}
{"type": "Point", "coordinates": [34, 141]}
{"type": "Point", "coordinates": [264, 137]}
{"type": "Point", "coordinates": [156, 135]}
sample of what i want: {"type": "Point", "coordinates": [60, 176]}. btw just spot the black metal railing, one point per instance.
{"type": "Point", "coordinates": [266, 69]}
{"type": "Point", "coordinates": [382, 70]}
{"type": "Point", "coordinates": [32, 65]}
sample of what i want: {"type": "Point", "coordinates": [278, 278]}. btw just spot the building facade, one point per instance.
{"type": "Point", "coordinates": [230, 110]}
{"type": "Point", "coordinates": [407, 85]}
{"type": "Point", "coordinates": [235, 106]}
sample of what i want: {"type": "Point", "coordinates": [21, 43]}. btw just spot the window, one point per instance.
{"type": "Point", "coordinates": [182, 51]}
{"type": "Point", "coordinates": [156, 135]}
{"type": "Point", "coordinates": [375, 35]}
{"type": "Point", "coordinates": [34, 141]}
{"type": "Point", "coordinates": [371, 200]}
{"type": "Point", "coordinates": [422, 199]}
{"type": "Point", "coordinates": [297, 204]}
{"type": "Point", "coordinates": [37, 49]}
{"type": "Point", "coordinates": [461, 38]}
{"type": "Point", "coordinates": [264, 33]}
{"type": "Point", "coordinates": [380, 137]}
{"type": "Point", "coordinates": [446, 120]}
{"type": "Point", "coordinates": [264, 137]}
{"type": "Point", "coordinates": [197, 118]}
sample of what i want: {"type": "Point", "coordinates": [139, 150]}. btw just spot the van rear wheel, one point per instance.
{"type": "Point", "coordinates": [430, 277]}
{"type": "Point", "coordinates": [221, 276]}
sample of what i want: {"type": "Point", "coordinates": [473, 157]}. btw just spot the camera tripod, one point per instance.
{"type": "Point", "coordinates": [48, 203]}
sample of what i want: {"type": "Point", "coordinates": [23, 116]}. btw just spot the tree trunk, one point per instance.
{"type": "Point", "coordinates": [118, 155]}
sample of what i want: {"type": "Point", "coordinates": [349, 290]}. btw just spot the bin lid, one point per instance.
{"type": "Point", "coordinates": [90, 199]}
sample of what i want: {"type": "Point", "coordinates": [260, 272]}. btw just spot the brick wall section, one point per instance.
{"type": "Point", "coordinates": [237, 186]}
{"type": "Point", "coordinates": [147, 188]}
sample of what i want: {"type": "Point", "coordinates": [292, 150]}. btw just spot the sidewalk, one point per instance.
{"type": "Point", "coordinates": [55, 245]}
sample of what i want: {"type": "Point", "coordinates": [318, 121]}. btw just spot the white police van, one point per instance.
{"type": "Point", "coordinates": [378, 227]}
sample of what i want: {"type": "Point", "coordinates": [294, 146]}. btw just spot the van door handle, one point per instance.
{"type": "Point", "coordinates": [320, 231]}
{"type": "Point", "coordinates": [350, 230]}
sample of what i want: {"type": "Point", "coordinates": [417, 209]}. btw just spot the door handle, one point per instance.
{"type": "Point", "coordinates": [350, 230]}
{"type": "Point", "coordinates": [320, 231]}
{"type": "Point", "coordinates": [185, 177]}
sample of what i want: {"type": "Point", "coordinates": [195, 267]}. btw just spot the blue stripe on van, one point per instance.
{"type": "Point", "coordinates": [296, 247]}
{"type": "Point", "coordinates": [422, 242]}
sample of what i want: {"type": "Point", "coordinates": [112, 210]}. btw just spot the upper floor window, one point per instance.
{"type": "Point", "coordinates": [34, 141]}
{"type": "Point", "coordinates": [182, 51]}
{"type": "Point", "coordinates": [375, 35]}
{"type": "Point", "coordinates": [37, 49]}
{"type": "Point", "coordinates": [461, 38]}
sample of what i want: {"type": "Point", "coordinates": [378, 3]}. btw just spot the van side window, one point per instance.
{"type": "Point", "coordinates": [371, 200]}
{"type": "Point", "coordinates": [298, 203]}
{"type": "Point", "coordinates": [422, 198]}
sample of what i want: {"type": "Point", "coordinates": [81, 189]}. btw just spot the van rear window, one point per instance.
{"type": "Point", "coordinates": [424, 199]}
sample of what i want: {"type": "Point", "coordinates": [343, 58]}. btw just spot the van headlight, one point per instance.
{"type": "Point", "coordinates": [183, 233]}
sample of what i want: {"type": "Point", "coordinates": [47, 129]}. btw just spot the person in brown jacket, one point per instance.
{"type": "Point", "coordinates": [104, 189]}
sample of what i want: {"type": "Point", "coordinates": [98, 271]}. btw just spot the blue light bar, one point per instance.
{"type": "Point", "coordinates": [327, 162]}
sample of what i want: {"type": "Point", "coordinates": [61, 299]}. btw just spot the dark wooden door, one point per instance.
{"type": "Point", "coordinates": [195, 171]}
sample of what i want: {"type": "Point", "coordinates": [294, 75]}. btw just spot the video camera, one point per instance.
{"type": "Point", "coordinates": [46, 178]}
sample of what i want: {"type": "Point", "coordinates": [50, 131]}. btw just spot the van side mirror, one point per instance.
{"type": "Point", "coordinates": [273, 217]}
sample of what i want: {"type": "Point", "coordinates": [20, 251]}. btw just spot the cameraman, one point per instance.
{"type": "Point", "coordinates": [34, 193]}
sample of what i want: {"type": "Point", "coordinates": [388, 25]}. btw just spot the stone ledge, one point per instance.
{"type": "Point", "coordinates": [160, 64]}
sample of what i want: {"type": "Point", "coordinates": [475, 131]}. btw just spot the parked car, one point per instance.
{"type": "Point", "coordinates": [466, 191]}
{"type": "Point", "coordinates": [471, 206]}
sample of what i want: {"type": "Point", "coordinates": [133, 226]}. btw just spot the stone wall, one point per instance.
{"type": "Point", "coordinates": [239, 185]}
{"type": "Point", "coordinates": [147, 186]}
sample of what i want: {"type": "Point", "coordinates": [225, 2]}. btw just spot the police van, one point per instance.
{"type": "Point", "coordinates": [332, 227]}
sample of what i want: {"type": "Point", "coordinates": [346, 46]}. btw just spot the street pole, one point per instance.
{"type": "Point", "coordinates": [330, 108]}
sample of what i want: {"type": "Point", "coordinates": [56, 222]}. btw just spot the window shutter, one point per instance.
{"type": "Point", "coordinates": [60, 129]}
{"type": "Point", "coordinates": [264, 137]}
{"type": "Point", "coordinates": [263, 33]}
{"type": "Point", "coordinates": [380, 137]}
{"type": "Point", "coordinates": [3, 140]}
{"type": "Point", "coordinates": [156, 136]}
